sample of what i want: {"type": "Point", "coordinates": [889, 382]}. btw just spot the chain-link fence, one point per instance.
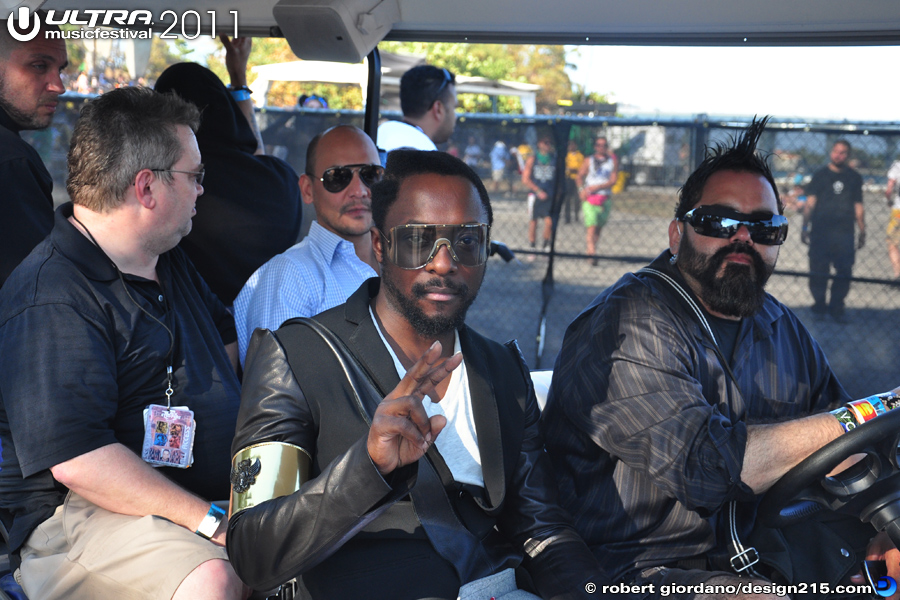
{"type": "Point", "coordinates": [534, 297]}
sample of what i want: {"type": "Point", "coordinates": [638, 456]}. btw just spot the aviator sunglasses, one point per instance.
{"type": "Point", "coordinates": [720, 222]}
{"type": "Point", "coordinates": [336, 179]}
{"type": "Point", "coordinates": [414, 246]}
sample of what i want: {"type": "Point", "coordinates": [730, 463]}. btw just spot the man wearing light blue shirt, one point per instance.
{"type": "Point", "coordinates": [336, 256]}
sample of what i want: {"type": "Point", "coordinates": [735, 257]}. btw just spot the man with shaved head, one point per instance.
{"type": "Point", "coordinates": [336, 257]}
{"type": "Point", "coordinates": [30, 86]}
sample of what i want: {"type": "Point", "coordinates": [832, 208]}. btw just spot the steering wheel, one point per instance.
{"type": "Point", "coordinates": [806, 488]}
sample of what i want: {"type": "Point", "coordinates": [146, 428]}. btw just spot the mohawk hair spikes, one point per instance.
{"type": "Point", "coordinates": [747, 143]}
{"type": "Point", "coordinates": [741, 155]}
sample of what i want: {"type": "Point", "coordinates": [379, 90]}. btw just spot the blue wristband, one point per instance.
{"type": "Point", "coordinates": [240, 94]}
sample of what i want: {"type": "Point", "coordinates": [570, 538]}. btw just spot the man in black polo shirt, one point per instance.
{"type": "Point", "coordinates": [116, 358]}
{"type": "Point", "coordinates": [30, 86]}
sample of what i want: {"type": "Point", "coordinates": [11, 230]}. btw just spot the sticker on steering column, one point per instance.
{"type": "Point", "coordinates": [866, 409]}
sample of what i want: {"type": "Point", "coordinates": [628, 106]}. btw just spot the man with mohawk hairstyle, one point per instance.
{"type": "Point", "coordinates": [684, 391]}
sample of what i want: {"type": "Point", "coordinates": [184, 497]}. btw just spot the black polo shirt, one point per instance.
{"type": "Point", "coordinates": [79, 361]}
{"type": "Point", "coordinates": [26, 201]}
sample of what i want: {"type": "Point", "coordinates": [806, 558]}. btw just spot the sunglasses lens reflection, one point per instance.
{"type": "Point", "coordinates": [414, 246]}
{"type": "Point", "coordinates": [770, 232]}
{"type": "Point", "coordinates": [371, 174]}
{"type": "Point", "coordinates": [336, 179]}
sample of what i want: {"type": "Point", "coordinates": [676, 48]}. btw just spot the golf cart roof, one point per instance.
{"type": "Point", "coordinates": [318, 29]}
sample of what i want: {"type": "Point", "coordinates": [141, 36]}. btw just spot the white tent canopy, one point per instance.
{"type": "Point", "coordinates": [307, 70]}
{"type": "Point", "coordinates": [343, 73]}
{"type": "Point", "coordinates": [526, 92]}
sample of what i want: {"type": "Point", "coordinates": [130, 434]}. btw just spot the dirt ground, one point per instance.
{"type": "Point", "coordinates": [864, 351]}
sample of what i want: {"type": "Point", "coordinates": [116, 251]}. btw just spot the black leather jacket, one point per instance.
{"type": "Point", "coordinates": [346, 508]}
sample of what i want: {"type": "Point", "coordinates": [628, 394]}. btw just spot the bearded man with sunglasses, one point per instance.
{"type": "Point", "coordinates": [684, 391]}
{"type": "Point", "coordinates": [336, 256]}
{"type": "Point", "coordinates": [423, 472]}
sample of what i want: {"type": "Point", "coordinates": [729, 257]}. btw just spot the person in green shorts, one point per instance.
{"type": "Point", "coordinates": [595, 180]}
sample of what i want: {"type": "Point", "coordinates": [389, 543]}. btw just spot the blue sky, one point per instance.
{"type": "Point", "coordinates": [853, 83]}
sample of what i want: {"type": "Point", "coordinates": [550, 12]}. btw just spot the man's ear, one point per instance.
{"type": "Point", "coordinates": [143, 187]}
{"type": "Point", "coordinates": [438, 110]}
{"type": "Point", "coordinates": [306, 189]}
{"type": "Point", "coordinates": [675, 232]}
{"type": "Point", "coordinates": [377, 247]}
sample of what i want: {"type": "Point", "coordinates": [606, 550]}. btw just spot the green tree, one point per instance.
{"type": "Point", "coordinates": [579, 94]}
{"type": "Point", "coordinates": [164, 53]}
{"type": "Point", "coordinates": [541, 65]}
{"type": "Point", "coordinates": [284, 93]}
{"type": "Point", "coordinates": [76, 52]}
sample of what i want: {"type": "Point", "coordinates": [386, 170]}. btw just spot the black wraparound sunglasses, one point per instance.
{"type": "Point", "coordinates": [720, 222]}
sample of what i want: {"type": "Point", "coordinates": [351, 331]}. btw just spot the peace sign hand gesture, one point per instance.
{"type": "Point", "coordinates": [401, 431]}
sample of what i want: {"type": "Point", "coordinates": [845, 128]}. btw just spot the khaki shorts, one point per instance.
{"type": "Point", "coordinates": [84, 551]}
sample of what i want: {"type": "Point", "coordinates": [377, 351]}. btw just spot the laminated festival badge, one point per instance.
{"type": "Point", "coordinates": [168, 436]}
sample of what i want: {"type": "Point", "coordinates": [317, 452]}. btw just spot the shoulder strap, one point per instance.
{"type": "Point", "coordinates": [449, 537]}
{"type": "Point", "coordinates": [355, 374]}
{"type": "Point", "coordinates": [704, 324]}
{"type": "Point", "coordinates": [743, 558]}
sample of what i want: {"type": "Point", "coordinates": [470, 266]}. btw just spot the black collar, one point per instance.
{"type": "Point", "coordinates": [7, 122]}
{"type": "Point", "coordinates": [367, 346]}
{"type": "Point", "coordinates": [75, 246]}
{"type": "Point", "coordinates": [87, 257]}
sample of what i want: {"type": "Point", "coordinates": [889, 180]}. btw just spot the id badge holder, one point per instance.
{"type": "Point", "coordinates": [168, 436]}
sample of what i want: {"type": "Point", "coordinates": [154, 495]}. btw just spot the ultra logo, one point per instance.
{"type": "Point", "coordinates": [24, 25]}
{"type": "Point", "coordinates": [24, 19]}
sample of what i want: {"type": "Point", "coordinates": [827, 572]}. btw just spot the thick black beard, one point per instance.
{"type": "Point", "coordinates": [425, 326]}
{"type": "Point", "coordinates": [739, 291]}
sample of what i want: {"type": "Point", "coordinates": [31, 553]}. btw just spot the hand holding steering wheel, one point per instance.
{"type": "Point", "coordinates": [806, 487]}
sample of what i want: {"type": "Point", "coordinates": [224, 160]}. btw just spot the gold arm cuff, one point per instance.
{"type": "Point", "coordinates": [264, 471]}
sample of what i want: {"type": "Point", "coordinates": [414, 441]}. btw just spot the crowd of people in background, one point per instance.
{"type": "Point", "coordinates": [503, 166]}
{"type": "Point", "coordinates": [88, 81]}
{"type": "Point", "coordinates": [530, 173]}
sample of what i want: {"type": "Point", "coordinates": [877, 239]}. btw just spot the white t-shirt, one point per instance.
{"type": "Point", "coordinates": [458, 441]}
{"type": "Point", "coordinates": [600, 173]}
{"type": "Point", "coordinates": [397, 134]}
{"type": "Point", "coordinates": [894, 173]}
